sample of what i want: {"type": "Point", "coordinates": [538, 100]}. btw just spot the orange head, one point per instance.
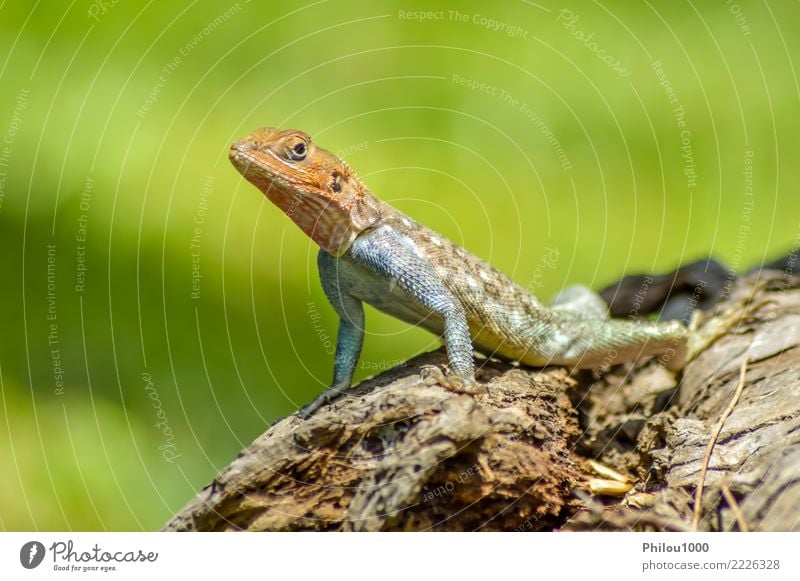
{"type": "Point", "coordinates": [316, 189]}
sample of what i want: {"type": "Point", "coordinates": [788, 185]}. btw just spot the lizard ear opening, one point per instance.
{"type": "Point", "coordinates": [364, 214]}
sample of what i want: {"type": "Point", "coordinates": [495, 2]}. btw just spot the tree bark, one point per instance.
{"type": "Point", "coordinates": [403, 453]}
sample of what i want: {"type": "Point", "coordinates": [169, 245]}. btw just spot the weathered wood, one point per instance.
{"type": "Point", "coordinates": [402, 453]}
{"type": "Point", "coordinates": [758, 450]}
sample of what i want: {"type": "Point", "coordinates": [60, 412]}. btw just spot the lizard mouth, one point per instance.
{"type": "Point", "coordinates": [257, 167]}
{"type": "Point", "coordinates": [269, 159]}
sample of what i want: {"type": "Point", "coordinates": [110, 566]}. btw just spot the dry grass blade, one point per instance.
{"type": "Point", "coordinates": [737, 512]}
{"type": "Point", "coordinates": [698, 496]}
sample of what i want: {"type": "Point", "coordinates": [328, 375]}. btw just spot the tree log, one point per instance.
{"type": "Point", "coordinates": [403, 453]}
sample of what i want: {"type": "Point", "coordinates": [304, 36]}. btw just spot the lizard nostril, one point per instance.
{"type": "Point", "coordinates": [241, 147]}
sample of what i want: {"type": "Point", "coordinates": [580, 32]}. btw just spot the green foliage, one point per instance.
{"type": "Point", "coordinates": [511, 135]}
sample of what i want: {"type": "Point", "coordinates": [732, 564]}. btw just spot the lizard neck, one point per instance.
{"type": "Point", "coordinates": [332, 226]}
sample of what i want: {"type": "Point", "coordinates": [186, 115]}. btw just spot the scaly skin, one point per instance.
{"type": "Point", "coordinates": [372, 253]}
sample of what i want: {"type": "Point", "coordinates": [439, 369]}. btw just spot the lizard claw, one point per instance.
{"type": "Point", "coordinates": [460, 384]}
{"type": "Point", "coordinates": [326, 397]}
{"type": "Point", "coordinates": [432, 375]}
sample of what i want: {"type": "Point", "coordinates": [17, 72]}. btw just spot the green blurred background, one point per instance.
{"type": "Point", "coordinates": [548, 144]}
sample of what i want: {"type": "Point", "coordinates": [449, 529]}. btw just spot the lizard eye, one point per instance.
{"type": "Point", "coordinates": [298, 151]}
{"type": "Point", "coordinates": [337, 183]}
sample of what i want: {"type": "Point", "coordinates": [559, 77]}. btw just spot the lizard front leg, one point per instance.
{"type": "Point", "coordinates": [337, 286]}
{"type": "Point", "coordinates": [380, 260]}
{"type": "Point", "coordinates": [392, 260]}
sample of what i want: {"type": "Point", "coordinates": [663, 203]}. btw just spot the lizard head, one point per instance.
{"type": "Point", "coordinates": [315, 188]}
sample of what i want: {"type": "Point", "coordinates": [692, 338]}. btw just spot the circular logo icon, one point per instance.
{"type": "Point", "coordinates": [31, 554]}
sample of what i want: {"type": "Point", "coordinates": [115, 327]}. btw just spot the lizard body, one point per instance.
{"type": "Point", "coordinates": [372, 253]}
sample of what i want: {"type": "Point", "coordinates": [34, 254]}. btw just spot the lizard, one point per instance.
{"type": "Point", "coordinates": [372, 253]}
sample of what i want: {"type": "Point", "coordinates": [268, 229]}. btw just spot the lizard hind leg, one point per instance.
{"type": "Point", "coordinates": [580, 300]}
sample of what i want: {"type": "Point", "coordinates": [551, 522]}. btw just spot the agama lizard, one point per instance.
{"type": "Point", "coordinates": [372, 253]}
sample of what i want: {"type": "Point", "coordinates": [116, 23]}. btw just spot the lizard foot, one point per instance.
{"type": "Point", "coordinates": [326, 397]}
{"type": "Point", "coordinates": [432, 375]}
{"type": "Point", "coordinates": [464, 385]}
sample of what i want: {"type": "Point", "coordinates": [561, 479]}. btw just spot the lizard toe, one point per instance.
{"type": "Point", "coordinates": [433, 375]}
{"type": "Point", "coordinates": [461, 384]}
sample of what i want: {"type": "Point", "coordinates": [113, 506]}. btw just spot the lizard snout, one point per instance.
{"type": "Point", "coordinates": [238, 147]}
